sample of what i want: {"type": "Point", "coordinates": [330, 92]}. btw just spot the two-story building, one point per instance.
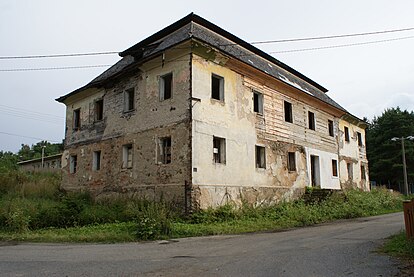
{"type": "Point", "coordinates": [194, 114]}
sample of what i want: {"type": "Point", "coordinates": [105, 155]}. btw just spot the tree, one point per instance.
{"type": "Point", "coordinates": [8, 161]}
{"type": "Point", "coordinates": [384, 155]}
{"type": "Point", "coordinates": [27, 152]}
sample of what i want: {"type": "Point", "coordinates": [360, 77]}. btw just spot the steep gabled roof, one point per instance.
{"type": "Point", "coordinates": [193, 26]}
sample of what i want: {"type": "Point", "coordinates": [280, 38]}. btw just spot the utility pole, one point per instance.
{"type": "Point", "coordinates": [406, 192]}
{"type": "Point", "coordinates": [404, 167]}
{"type": "Point", "coordinates": [43, 156]}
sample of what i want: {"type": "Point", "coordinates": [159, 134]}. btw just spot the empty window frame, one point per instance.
{"type": "Point", "coordinates": [73, 165]}
{"type": "Point", "coordinates": [288, 112]}
{"type": "Point", "coordinates": [164, 150]}
{"type": "Point", "coordinates": [257, 102]}
{"type": "Point", "coordinates": [217, 87]}
{"type": "Point", "coordinates": [291, 162]}
{"type": "Point", "coordinates": [166, 86]}
{"type": "Point", "coordinates": [359, 135]}
{"type": "Point", "coordinates": [98, 110]}
{"type": "Point", "coordinates": [129, 100]}
{"type": "Point", "coordinates": [330, 128]}
{"type": "Point", "coordinates": [219, 150]}
{"type": "Point", "coordinates": [260, 157]}
{"type": "Point", "coordinates": [346, 132]}
{"type": "Point", "coordinates": [96, 162]}
{"type": "Point", "coordinates": [127, 156]}
{"type": "Point", "coordinates": [311, 120]}
{"type": "Point", "coordinates": [76, 119]}
{"type": "Point", "coordinates": [363, 176]}
{"type": "Point", "coordinates": [350, 169]}
{"type": "Point", "coordinates": [335, 168]}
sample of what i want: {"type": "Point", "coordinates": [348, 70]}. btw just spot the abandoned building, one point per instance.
{"type": "Point", "coordinates": [47, 164]}
{"type": "Point", "coordinates": [196, 115]}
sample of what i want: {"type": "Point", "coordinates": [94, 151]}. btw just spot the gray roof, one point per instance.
{"type": "Point", "coordinates": [196, 27]}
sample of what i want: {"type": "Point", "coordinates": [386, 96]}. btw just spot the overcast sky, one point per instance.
{"type": "Point", "coordinates": [364, 79]}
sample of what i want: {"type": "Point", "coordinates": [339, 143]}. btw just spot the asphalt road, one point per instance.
{"type": "Point", "coordinates": [345, 248]}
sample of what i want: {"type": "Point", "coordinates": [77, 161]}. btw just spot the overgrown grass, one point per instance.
{"type": "Point", "coordinates": [32, 208]}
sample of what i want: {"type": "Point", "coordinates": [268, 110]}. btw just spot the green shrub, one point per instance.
{"type": "Point", "coordinates": [18, 221]}
{"type": "Point", "coordinates": [154, 221]}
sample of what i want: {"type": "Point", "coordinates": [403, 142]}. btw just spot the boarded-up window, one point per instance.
{"type": "Point", "coordinates": [166, 86]}
{"type": "Point", "coordinates": [164, 150]}
{"type": "Point", "coordinates": [73, 164]}
{"type": "Point", "coordinates": [76, 119]}
{"type": "Point", "coordinates": [311, 120]}
{"type": "Point", "coordinates": [257, 102]}
{"type": "Point", "coordinates": [260, 157]}
{"type": "Point", "coordinates": [127, 156]}
{"type": "Point", "coordinates": [346, 132]}
{"type": "Point", "coordinates": [219, 150]}
{"type": "Point", "coordinates": [335, 168]}
{"type": "Point", "coordinates": [330, 128]}
{"type": "Point", "coordinates": [288, 112]}
{"type": "Point", "coordinates": [96, 163]}
{"type": "Point", "coordinates": [217, 87]}
{"type": "Point", "coordinates": [98, 110]}
{"type": "Point", "coordinates": [129, 100]}
{"type": "Point", "coordinates": [291, 161]}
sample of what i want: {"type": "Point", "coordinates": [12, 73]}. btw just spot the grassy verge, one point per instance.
{"type": "Point", "coordinates": [399, 246]}
{"type": "Point", "coordinates": [32, 208]}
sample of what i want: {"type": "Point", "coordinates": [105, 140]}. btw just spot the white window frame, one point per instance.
{"type": "Point", "coordinates": [127, 156]}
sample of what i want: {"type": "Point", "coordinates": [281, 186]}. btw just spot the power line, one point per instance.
{"type": "Point", "coordinates": [16, 135]}
{"type": "Point", "coordinates": [339, 45]}
{"type": "Point", "coordinates": [255, 42]}
{"type": "Point", "coordinates": [272, 52]}
{"type": "Point", "coordinates": [54, 68]}
{"type": "Point", "coordinates": [333, 36]}
{"type": "Point", "coordinates": [58, 55]}
{"type": "Point", "coordinates": [25, 111]}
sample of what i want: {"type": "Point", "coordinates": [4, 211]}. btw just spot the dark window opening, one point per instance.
{"type": "Point", "coordinates": [76, 119]}
{"type": "Point", "coordinates": [99, 110]}
{"type": "Point", "coordinates": [217, 87]}
{"type": "Point", "coordinates": [288, 112]}
{"type": "Point", "coordinates": [335, 168]}
{"type": "Point", "coordinates": [363, 177]}
{"type": "Point", "coordinates": [331, 128]}
{"type": "Point", "coordinates": [73, 164]}
{"type": "Point", "coordinates": [359, 139]}
{"type": "Point", "coordinates": [166, 86]}
{"type": "Point", "coordinates": [258, 102]}
{"type": "Point", "coordinates": [129, 100]}
{"type": "Point", "coordinates": [96, 160]}
{"type": "Point", "coordinates": [311, 119]}
{"type": "Point", "coordinates": [260, 157]}
{"type": "Point", "coordinates": [350, 167]}
{"type": "Point", "coordinates": [291, 161]}
{"type": "Point", "coordinates": [346, 131]}
{"type": "Point", "coordinates": [219, 150]}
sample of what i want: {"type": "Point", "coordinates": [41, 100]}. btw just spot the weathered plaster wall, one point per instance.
{"type": "Point", "coordinates": [142, 127]}
{"type": "Point", "coordinates": [234, 120]}
{"type": "Point", "coordinates": [350, 152]}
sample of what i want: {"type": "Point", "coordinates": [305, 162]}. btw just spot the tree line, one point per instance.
{"type": "Point", "coordinates": [9, 160]}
